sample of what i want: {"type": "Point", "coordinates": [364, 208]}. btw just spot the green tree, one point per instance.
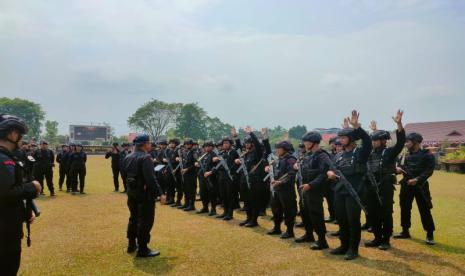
{"type": "Point", "coordinates": [191, 122]}
{"type": "Point", "coordinates": [216, 129]}
{"type": "Point", "coordinates": [51, 132]}
{"type": "Point", "coordinates": [155, 117]}
{"type": "Point", "coordinates": [297, 132]}
{"type": "Point", "coordinates": [30, 112]}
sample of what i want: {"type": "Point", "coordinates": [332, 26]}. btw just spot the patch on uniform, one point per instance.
{"type": "Point", "coordinates": [10, 166]}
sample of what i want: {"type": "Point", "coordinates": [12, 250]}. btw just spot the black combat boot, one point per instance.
{"type": "Point", "coordinates": [430, 238]}
{"type": "Point", "coordinates": [374, 243]}
{"type": "Point", "coordinates": [223, 215]}
{"type": "Point", "coordinates": [212, 212]}
{"type": "Point", "coordinates": [289, 233]}
{"type": "Point", "coordinates": [132, 246]}
{"type": "Point", "coordinates": [275, 231]}
{"type": "Point", "coordinates": [405, 234]}
{"type": "Point", "coordinates": [321, 244]}
{"type": "Point", "coordinates": [305, 238]}
{"type": "Point", "coordinates": [351, 254]}
{"type": "Point", "coordinates": [147, 253]}
{"type": "Point", "coordinates": [341, 250]}
{"type": "Point", "coordinates": [203, 210]}
{"type": "Point", "coordinates": [245, 222]}
{"type": "Point", "coordinates": [252, 223]}
{"type": "Point", "coordinates": [385, 244]}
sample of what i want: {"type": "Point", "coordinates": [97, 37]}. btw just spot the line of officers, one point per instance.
{"type": "Point", "coordinates": [354, 176]}
{"type": "Point", "coordinates": [40, 162]}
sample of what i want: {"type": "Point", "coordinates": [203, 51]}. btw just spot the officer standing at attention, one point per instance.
{"type": "Point", "coordinates": [78, 169]}
{"type": "Point", "coordinates": [143, 190]}
{"type": "Point", "coordinates": [380, 183]}
{"type": "Point", "coordinates": [115, 156]}
{"type": "Point", "coordinates": [13, 192]}
{"type": "Point", "coordinates": [417, 166]}
{"type": "Point", "coordinates": [352, 164]}
{"type": "Point", "coordinates": [45, 161]}
{"type": "Point", "coordinates": [62, 159]}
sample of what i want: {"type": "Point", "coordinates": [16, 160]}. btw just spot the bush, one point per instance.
{"type": "Point", "coordinates": [458, 155]}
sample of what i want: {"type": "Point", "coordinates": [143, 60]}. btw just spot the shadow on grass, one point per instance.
{"type": "Point", "coordinates": [155, 266]}
{"type": "Point", "coordinates": [430, 259]}
{"type": "Point", "coordinates": [442, 247]}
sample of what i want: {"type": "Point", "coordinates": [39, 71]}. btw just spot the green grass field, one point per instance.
{"type": "Point", "coordinates": [86, 235]}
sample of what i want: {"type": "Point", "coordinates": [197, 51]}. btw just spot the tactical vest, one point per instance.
{"type": "Point", "coordinates": [348, 164]}
{"type": "Point", "coordinates": [310, 167]}
{"type": "Point", "coordinates": [378, 165]}
{"type": "Point", "coordinates": [416, 163]}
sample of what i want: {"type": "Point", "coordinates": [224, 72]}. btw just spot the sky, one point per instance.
{"type": "Point", "coordinates": [248, 62]}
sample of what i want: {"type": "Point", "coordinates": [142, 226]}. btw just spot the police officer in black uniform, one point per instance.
{"type": "Point", "coordinates": [125, 152]}
{"type": "Point", "coordinates": [283, 198]}
{"type": "Point", "coordinates": [189, 175]}
{"type": "Point", "coordinates": [255, 188]}
{"type": "Point", "coordinates": [43, 168]}
{"type": "Point", "coordinates": [229, 187]}
{"type": "Point", "coordinates": [78, 170]}
{"type": "Point", "coordinates": [381, 168]}
{"type": "Point", "coordinates": [143, 190]}
{"type": "Point", "coordinates": [352, 164]}
{"type": "Point", "coordinates": [13, 192]}
{"type": "Point", "coordinates": [115, 156]}
{"type": "Point", "coordinates": [417, 167]}
{"type": "Point", "coordinates": [314, 173]}
{"type": "Point", "coordinates": [172, 154]}
{"type": "Point", "coordinates": [62, 159]}
{"type": "Point", "coordinates": [207, 179]}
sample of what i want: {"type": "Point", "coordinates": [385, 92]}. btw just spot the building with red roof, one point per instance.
{"type": "Point", "coordinates": [436, 133]}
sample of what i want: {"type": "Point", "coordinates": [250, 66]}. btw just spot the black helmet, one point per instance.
{"type": "Point", "coordinates": [43, 142]}
{"type": "Point", "coordinates": [301, 145]}
{"type": "Point", "coordinates": [227, 139]}
{"type": "Point", "coordinates": [248, 140]}
{"type": "Point", "coordinates": [174, 141]}
{"type": "Point", "coordinates": [208, 143]}
{"type": "Point", "coordinates": [79, 145]}
{"type": "Point", "coordinates": [286, 145]}
{"type": "Point", "coordinates": [337, 142]}
{"type": "Point", "coordinates": [332, 140]}
{"type": "Point", "coordinates": [163, 142]}
{"type": "Point", "coordinates": [312, 136]}
{"type": "Point", "coordinates": [188, 141]}
{"type": "Point", "coordinates": [380, 135]}
{"type": "Point", "coordinates": [141, 139]}
{"type": "Point", "coordinates": [10, 122]}
{"type": "Point", "coordinates": [349, 132]}
{"type": "Point", "coordinates": [414, 137]}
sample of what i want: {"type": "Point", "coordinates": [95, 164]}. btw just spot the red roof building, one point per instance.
{"type": "Point", "coordinates": [435, 133]}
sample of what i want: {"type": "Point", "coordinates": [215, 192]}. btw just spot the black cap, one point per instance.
{"type": "Point", "coordinates": [286, 145]}
{"type": "Point", "coordinates": [141, 139]}
{"type": "Point", "coordinates": [348, 132]}
{"type": "Point", "coordinates": [380, 135]}
{"type": "Point", "coordinates": [414, 137]}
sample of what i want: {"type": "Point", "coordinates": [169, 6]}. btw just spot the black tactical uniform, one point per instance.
{"type": "Point", "coordinates": [420, 166]}
{"type": "Point", "coordinates": [352, 165]}
{"type": "Point", "coordinates": [171, 154]}
{"type": "Point", "coordinates": [13, 192]}
{"type": "Point", "coordinates": [115, 156]}
{"type": "Point", "coordinates": [229, 187]}
{"type": "Point", "coordinates": [255, 189]}
{"type": "Point", "coordinates": [283, 195]}
{"type": "Point", "coordinates": [78, 170]}
{"type": "Point", "coordinates": [314, 172]}
{"type": "Point", "coordinates": [43, 168]}
{"type": "Point", "coordinates": [190, 178]}
{"type": "Point", "coordinates": [125, 152]}
{"type": "Point", "coordinates": [171, 176]}
{"type": "Point", "coordinates": [208, 186]}
{"type": "Point", "coordinates": [380, 187]}
{"type": "Point", "coordinates": [62, 159]}
{"type": "Point", "coordinates": [143, 190]}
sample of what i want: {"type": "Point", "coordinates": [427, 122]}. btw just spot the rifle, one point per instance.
{"type": "Point", "coordinates": [181, 165]}
{"type": "Point", "coordinates": [31, 207]}
{"type": "Point", "coordinates": [374, 183]}
{"type": "Point", "coordinates": [243, 167]}
{"type": "Point", "coordinates": [270, 174]}
{"type": "Point", "coordinates": [347, 185]}
{"type": "Point", "coordinates": [170, 167]}
{"type": "Point", "coordinates": [223, 164]}
{"type": "Point", "coordinates": [419, 186]}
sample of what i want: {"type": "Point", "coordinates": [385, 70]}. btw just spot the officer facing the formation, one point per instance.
{"type": "Point", "coordinates": [62, 159]}
{"type": "Point", "coordinates": [43, 168]}
{"type": "Point", "coordinates": [115, 156]}
{"type": "Point", "coordinates": [77, 172]}
{"type": "Point", "coordinates": [143, 189]}
{"type": "Point", "coordinates": [283, 199]}
{"type": "Point", "coordinates": [350, 172]}
{"type": "Point", "coordinates": [314, 170]}
{"type": "Point", "coordinates": [13, 192]}
{"type": "Point", "coordinates": [381, 168]}
{"type": "Point", "coordinates": [228, 177]}
{"type": "Point", "coordinates": [417, 166]}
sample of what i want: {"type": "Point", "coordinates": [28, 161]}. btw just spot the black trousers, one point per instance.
{"type": "Point", "coordinates": [348, 217]}
{"type": "Point", "coordinates": [228, 191]}
{"type": "Point", "coordinates": [313, 205]}
{"type": "Point", "coordinates": [203, 189]}
{"type": "Point", "coordinates": [190, 189]}
{"type": "Point", "coordinates": [141, 220]}
{"type": "Point", "coordinates": [328, 194]}
{"type": "Point", "coordinates": [78, 174]}
{"type": "Point", "coordinates": [179, 188]}
{"type": "Point", "coordinates": [170, 186]}
{"type": "Point", "coordinates": [47, 173]}
{"type": "Point", "coordinates": [116, 172]}
{"type": "Point", "coordinates": [407, 194]}
{"type": "Point", "coordinates": [63, 176]}
{"type": "Point", "coordinates": [10, 257]}
{"type": "Point", "coordinates": [284, 207]}
{"type": "Point", "coordinates": [304, 215]}
{"type": "Point", "coordinates": [255, 197]}
{"type": "Point", "coordinates": [380, 215]}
